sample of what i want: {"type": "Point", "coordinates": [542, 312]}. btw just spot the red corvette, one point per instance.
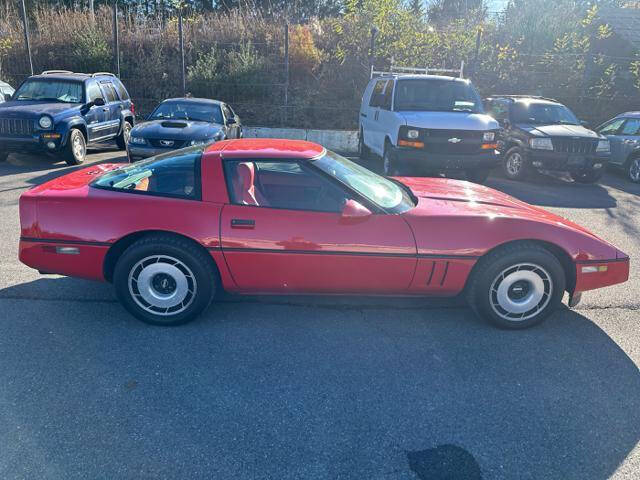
{"type": "Point", "coordinates": [281, 216]}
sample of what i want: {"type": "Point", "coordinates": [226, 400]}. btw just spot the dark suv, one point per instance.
{"type": "Point", "coordinates": [60, 112]}
{"type": "Point", "coordinates": [542, 134]}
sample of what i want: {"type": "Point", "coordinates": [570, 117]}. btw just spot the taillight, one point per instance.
{"type": "Point", "coordinates": [133, 108]}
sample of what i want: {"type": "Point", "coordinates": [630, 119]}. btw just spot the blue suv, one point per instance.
{"type": "Point", "coordinates": [60, 112]}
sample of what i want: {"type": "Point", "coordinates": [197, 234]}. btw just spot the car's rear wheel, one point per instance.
{"type": "Point", "coordinates": [477, 175]}
{"type": "Point", "coordinates": [75, 150]}
{"type": "Point", "coordinates": [123, 138]}
{"type": "Point", "coordinates": [517, 286]}
{"type": "Point", "coordinates": [514, 164]}
{"type": "Point", "coordinates": [164, 280]}
{"type": "Point", "coordinates": [586, 176]}
{"type": "Point", "coordinates": [633, 169]}
{"type": "Point", "coordinates": [388, 161]}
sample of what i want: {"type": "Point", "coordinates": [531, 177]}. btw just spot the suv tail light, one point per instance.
{"type": "Point", "coordinates": [133, 108]}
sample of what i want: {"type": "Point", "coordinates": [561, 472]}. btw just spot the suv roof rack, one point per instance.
{"type": "Point", "coordinates": [537, 97]}
{"type": "Point", "coordinates": [98, 74]}
{"type": "Point", "coordinates": [396, 70]}
{"type": "Point", "coordinates": [53, 72]}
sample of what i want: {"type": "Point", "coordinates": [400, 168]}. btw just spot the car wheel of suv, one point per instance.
{"type": "Point", "coordinates": [164, 280]}
{"type": "Point", "coordinates": [633, 170]}
{"type": "Point", "coordinates": [477, 175]}
{"type": "Point", "coordinates": [516, 286]}
{"type": "Point", "coordinates": [123, 138]}
{"type": "Point", "coordinates": [514, 165]}
{"type": "Point", "coordinates": [75, 150]}
{"type": "Point", "coordinates": [363, 151]}
{"type": "Point", "coordinates": [586, 176]}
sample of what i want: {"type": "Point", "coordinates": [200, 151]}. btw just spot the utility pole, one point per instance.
{"type": "Point", "coordinates": [116, 37]}
{"type": "Point", "coordinates": [26, 35]}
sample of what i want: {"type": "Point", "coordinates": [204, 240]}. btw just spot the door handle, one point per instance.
{"type": "Point", "coordinates": [242, 223]}
{"type": "Point", "coordinates": [363, 115]}
{"type": "Point", "coordinates": [105, 109]}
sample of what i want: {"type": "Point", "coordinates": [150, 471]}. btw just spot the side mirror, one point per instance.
{"type": "Point", "coordinates": [354, 212]}
{"type": "Point", "coordinates": [98, 102]}
{"type": "Point", "coordinates": [231, 121]}
{"type": "Point", "coordinates": [506, 123]}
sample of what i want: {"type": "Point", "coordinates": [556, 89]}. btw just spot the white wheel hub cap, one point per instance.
{"type": "Point", "coordinates": [520, 292]}
{"type": "Point", "coordinates": [162, 285]}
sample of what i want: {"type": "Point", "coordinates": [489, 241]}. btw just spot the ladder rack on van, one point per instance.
{"type": "Point", "coordinates": [397, 70]}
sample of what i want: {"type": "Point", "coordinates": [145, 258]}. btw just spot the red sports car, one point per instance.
{"type": "Point", "coordinates": [280, 217]}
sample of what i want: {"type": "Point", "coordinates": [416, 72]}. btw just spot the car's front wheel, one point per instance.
{"type": "Point", "coordinates": [586, 176]}
{"type": "Point", "coordinates": [516, 286]}
{"type": "Point", "coordinates": [633, 169]}
{"type": "Point", "coordinates": [75, 150]}
{"type": "Point", "coordinates": [123, 138]}
{"type": "Point", "coordinates": [514, 164]}
{"type": "Point", "coordinates": [164, 280]}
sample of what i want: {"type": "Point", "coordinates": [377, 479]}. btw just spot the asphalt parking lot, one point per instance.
{"type": "Point", "coordinates": [305, 388]}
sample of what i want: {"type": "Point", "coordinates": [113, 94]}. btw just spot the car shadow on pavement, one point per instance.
{"type": "Point", "coordinates": [620, 182]}
{"type": "Point", "coordinates": [554, 191]}
{"type": "Point", "coordinates": [276, 389]}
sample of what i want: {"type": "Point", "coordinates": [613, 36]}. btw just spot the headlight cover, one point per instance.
{"type": "Point", "coordinates": [413, 134]}
{"type": "Point", "coordinates": [541, 143]}
{"type": "Point", "coordinates": [604, 146]}
{"type": "Point", "coordinates": [45, 122]}
{"type": "Point", "coordinates": [137, 140]}
{"type": "Point", "coordinates": [489, 136]}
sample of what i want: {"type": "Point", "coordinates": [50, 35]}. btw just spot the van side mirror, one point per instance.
{"type": "Point", "coordinates": [354, 212]}
{"type": "Point", "coordinates": [231, 121]}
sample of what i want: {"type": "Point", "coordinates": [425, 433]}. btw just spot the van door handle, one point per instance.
{"type": "Point", "coordinates": [363, 115]}
{"type": "Point", "coordinates": [242, 223]}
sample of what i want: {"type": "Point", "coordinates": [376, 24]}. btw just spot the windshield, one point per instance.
{"type": "Point", "coordinates": [198, 112]}
{"type": "Point", "coordinates": [435, 95]}
{"type": "Point", "coordinates": [383, 192]}
{"type": "Point", "coordinates": [543, 114]}
{"type": "Point", "coordinates": [50, 90]}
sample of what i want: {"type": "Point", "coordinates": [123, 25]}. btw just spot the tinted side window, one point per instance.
{"type": "Point", "coordinates": [388, 92]}
{"type": "Point", "coordinates": [93, 91]}
{"type": "Point", "coordinates": [283, 185]}
{"type": "Point", "coordinates": [631, 127]}
{"type": "Point", "coordinates": [122, 92]}
{"type": "Point", "coordinates": [498, 109]}
{"type": "Point", "coordinates": [109, 92]}
{"type": "Point", "coordinates": [378, 89]}
{"type": "Point", "coordinates": [174, 174]}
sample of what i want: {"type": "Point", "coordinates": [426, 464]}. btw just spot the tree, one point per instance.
{"type": "Point", "coordinates": [417, 8]}
{"type": "Point", "coordinates": [445, 11]}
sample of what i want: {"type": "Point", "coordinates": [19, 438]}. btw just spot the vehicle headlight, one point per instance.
{"type": "Point", "coordinates": [197, 142]}
{"type": "Point", "coordinates": [541, 143]}
{"type": "Point", "coordinates": [137, 140]}
{"type": "Point", "coordinates": [413, 134]}
{"type": "Point", "coordinates": [604, 146]}
{"type": "Point", "coordinates": [489, 136]}
{"type": "Point", "coordinates": [45, 122]}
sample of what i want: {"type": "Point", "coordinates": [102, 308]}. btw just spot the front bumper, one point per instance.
{"type": "Point", "coordinates": [137, 152]}
{"type": "Point", "coordinates": [418, 161]}
{"type": "Point", "coordinates": [36, 143]}
{"type": "Point", "coordinates": [549, 160]}
{"type": "Point", "coordinates": [597, 274]}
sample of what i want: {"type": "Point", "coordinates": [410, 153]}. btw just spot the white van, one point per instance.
{"type": "Point", "coordinates": [6, 91]}
{"type": "Point", "coordinates": [423, 124]}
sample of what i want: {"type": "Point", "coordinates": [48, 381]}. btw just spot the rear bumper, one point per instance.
{"type": "Point", "coordinates": [417, 161]}
{"type": "Point", "coordinates": [567, 162]}
{"type": "Point", "coordinates": [597, 274]}
{"type": "Point", "coordinates": [74, 259]}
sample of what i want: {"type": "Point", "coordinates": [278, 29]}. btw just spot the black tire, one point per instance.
{"type": "Point", "coordinates": [180, 262]}
{"type": "Point", "coordinates": [363, 151]}
{"type": "Point", "coordinates": [75, 151]}
{"type": "Point", "coordinates": [478, 175]}
{"type": "Point", "coordinates": [515, 165]}
{"type": "Point", "coordinates": [540, 278]}
{"type": "Point", "coordinates": [586, 176]}
{"type": "Point", "coordinates": [389, 167]}
{"type": "Point", "coordinates": [123, 138]}
{"type": "Point", "coordinates": [633, 169]}
{"type": "Point", "coordinates": [4, 156]}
